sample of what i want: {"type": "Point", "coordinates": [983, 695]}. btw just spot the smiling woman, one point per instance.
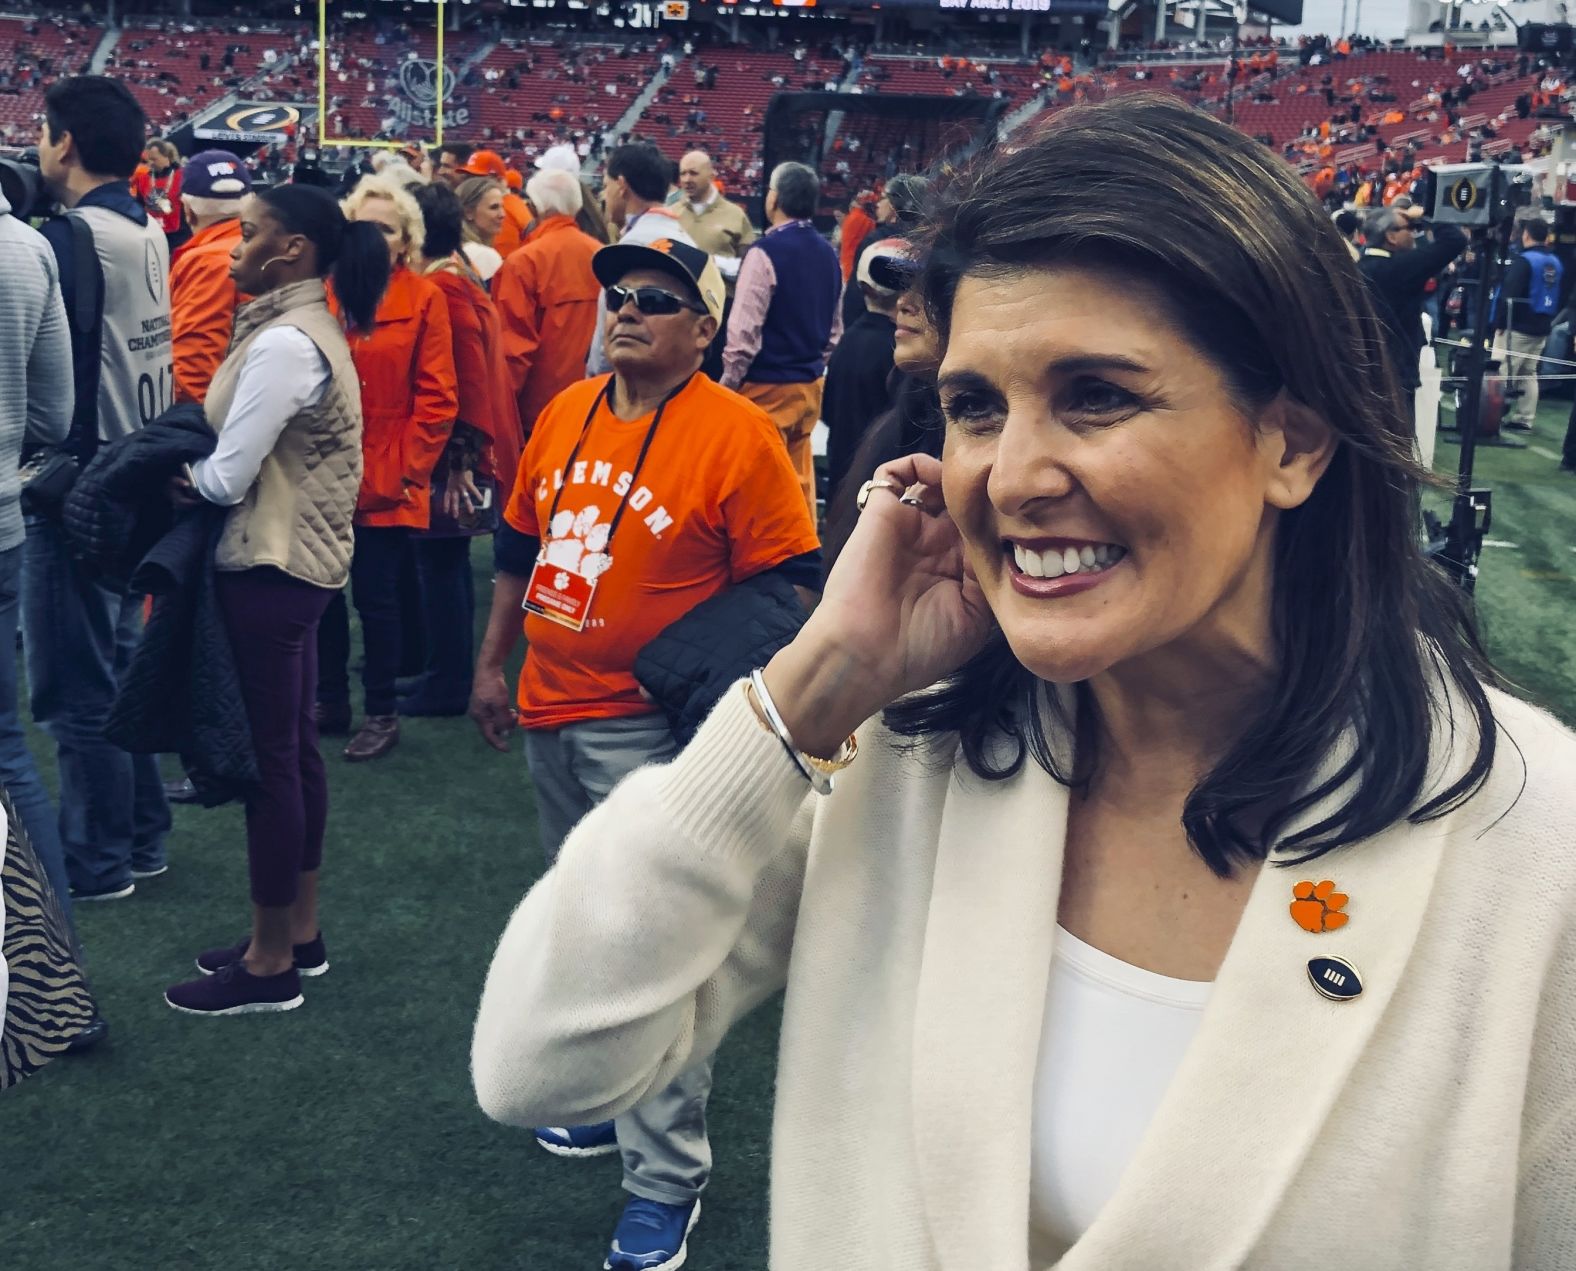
{"type": "Point", "coordinates": [1156, 365]}
{"type": "Point", "coordinates": [1153, 634]}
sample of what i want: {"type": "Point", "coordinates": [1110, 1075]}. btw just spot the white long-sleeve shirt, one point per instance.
{"type": "Point", "coordinates": [283, 374]}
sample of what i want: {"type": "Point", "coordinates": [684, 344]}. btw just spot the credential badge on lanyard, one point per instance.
{"type": "Point", "coordinates": [564, 595]}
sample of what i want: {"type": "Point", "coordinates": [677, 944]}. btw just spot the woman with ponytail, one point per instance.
{"type": "Point", "coordinates": [476, 471]}
{"type": "Point", "coordinates": [286, 404]}
{"type": "Point", "coordinates": [409, 402]}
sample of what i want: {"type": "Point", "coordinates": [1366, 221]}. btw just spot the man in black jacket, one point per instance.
{"type": "Point", "coordinates": [860, 367]}
{"type": "Point", "coordinates": [1398, 269]}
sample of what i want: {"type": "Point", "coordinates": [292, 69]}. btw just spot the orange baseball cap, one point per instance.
{"type": "Point", "coordinates": [486, 163]}
{"type": "Point", "coordinates": [514, 180]}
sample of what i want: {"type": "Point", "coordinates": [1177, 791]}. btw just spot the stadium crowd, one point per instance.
{"type": "Point", "coordinates": [1165, 570]}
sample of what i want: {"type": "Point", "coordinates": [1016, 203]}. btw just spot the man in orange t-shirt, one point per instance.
{"type": "Point", "coordinates": [639, 496]}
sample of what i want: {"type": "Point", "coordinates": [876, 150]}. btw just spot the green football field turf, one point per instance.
{"type": "Point", "coordinates": [343, 1136]}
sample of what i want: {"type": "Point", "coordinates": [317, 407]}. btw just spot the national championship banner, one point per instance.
{"type": "Point", "coordinates": [256, 123]}
{"type": "Point", "coordinates": [245, 126]}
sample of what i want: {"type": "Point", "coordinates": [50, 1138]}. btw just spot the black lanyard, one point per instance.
{"type": "Point", "coordinates": [640, 461]}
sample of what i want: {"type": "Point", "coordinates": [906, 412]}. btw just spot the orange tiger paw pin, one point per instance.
{"type": "Point", "coordinates": [1318, 906]}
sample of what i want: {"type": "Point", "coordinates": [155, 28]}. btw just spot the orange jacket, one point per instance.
{"type": "Point", "coordinates": [546, 296]}
{"type": "Point", "coordinates": [486, 396]}
{"type": "Point", "coordinates": [516, 225]}
{"type": "Point", "coordinates": [202, 308]}
{"type": "Point", "coordinates": [856, 228]}
{"type": "Point", "coordinates": [408, 401]}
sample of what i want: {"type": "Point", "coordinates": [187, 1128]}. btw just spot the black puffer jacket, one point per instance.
{"type": "Point", "coordinates": [181, 694]}
{"type": "Point", "coordinates": [120, 506]}
{"type": "Point", "coordinates": [695, 660]}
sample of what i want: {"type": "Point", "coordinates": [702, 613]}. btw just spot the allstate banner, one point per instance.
{"type": "Point", "coordinates": [414, 102]}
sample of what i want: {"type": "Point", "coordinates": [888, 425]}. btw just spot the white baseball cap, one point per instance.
{"type": "Point", "coordinates": [560, 158]}
{"type": "Point", "coordinates": [888, 266]}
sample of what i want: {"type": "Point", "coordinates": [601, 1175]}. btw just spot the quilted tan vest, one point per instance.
{"type": "Point", "coordinates": [297, 515]}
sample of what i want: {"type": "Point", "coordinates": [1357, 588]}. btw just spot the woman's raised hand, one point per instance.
{"type": "Point", "coordinates": [901, 610]}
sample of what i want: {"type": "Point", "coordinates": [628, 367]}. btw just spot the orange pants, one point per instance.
{"type": "Point", "coordinates": [795, 409]}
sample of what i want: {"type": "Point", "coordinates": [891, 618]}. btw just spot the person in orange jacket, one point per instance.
{"type": "Point", "coordinates": [409, 400]}
{"type": "Point", "coordinates": [547, 297]}
{"type": "Point", "coordinates": [203, 296]}
{"type": "Point", "coordinates": [157, 186]}
{"type": "Point", "coordinates": [486, 444]}
{"type": "Point", "coordinates": [856, 229]}
{"type": "Point", "coordinates": [516, 215]}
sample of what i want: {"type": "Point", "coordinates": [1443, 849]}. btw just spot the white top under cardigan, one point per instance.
{"type": "Point", "coordinates": [1112, 1039]}
{"type": "Point", "coordinates": [1431, 1122]}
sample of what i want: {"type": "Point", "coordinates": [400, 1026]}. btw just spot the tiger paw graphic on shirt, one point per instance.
{"type": "Point", "coordinates": [578, 543]}
{"type": "Point", "coordinates": [1317, 908]}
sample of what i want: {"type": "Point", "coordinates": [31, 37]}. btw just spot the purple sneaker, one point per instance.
{"type": "Point", "coordinates": [311, 958]}
{"type": "Point", "coordinates": [233, 990]}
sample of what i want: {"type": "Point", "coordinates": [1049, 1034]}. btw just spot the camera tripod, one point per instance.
{"type": "Point", "coordinates": [1471, 511]}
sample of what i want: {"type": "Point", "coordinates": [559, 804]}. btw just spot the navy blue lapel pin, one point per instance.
{"type": "Point", "coordinates": [1335, 978]}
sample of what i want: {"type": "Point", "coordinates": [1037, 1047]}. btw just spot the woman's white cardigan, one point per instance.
{"type": "Point", "coordinates": [1429, 1123]}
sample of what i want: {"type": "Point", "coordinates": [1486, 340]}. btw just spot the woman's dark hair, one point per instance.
{"type": "Point", "coordinates": [591, 218]}
{"type": "Point", "coordinates": [441, 214]}
{"type": "Point", "coordinates": [352, 253]}
{"type": "Point", "coordinates": [1373, 640]}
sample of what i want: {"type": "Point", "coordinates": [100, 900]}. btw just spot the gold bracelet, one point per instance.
{"type": "Point", "coordinates": [846, 754]}
{"type": "Point", "coordinates": [817, 771]}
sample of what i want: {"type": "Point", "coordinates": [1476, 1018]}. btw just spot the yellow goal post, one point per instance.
{"type": "Point", "coordinates": [323, 139]}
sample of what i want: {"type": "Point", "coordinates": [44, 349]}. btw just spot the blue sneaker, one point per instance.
{"type": "Point", "coordinates": [578, 1140]}
{"type": "Point", "coordinates": [652, 1236]}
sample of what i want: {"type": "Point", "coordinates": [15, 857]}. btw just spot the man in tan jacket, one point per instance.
{"type": "Point", "coordinates": [719, 228]}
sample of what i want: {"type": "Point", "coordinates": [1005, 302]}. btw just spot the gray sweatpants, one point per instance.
{"type": "Point", "coordinates": [663, 1141]}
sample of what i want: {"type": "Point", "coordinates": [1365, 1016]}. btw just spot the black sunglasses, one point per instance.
{"type": "Point", "coordinates": [651, 301]}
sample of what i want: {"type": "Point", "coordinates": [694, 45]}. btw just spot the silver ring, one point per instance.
{"type": "Point", "coordinates": [914, 496]}
{"type": "Point", "coordinates": [878, 483]}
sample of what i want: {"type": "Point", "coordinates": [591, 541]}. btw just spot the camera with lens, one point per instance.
{"type": "Point", "coordinates": [1478, 194]}
{"type": "Point", "coordinates": [23, 187]}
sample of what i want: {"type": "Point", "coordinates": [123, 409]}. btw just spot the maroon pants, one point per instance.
{"type": "Point", "coordinates": [272, 621]}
